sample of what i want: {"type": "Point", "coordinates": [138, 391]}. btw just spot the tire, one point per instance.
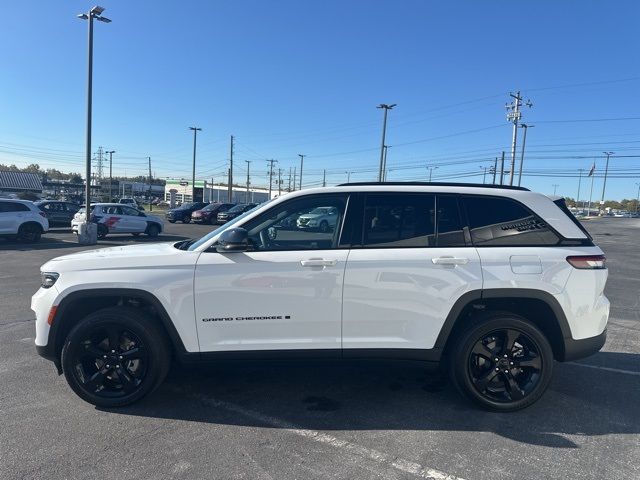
{"type": "Point", "coordinates": [186, 219]}
{"type": "Point", "coordinates": [103, 231]}
{"type": "Point", "coordinates": [324, 226]}
{"type": "Point", "coordinates": [29, 233]}
{"type": "Point", "coordinates": [171, 221]}
{"type": "Point", "coordinates": [495, 376]}
{"type": "Point", "coordinates": [101, 340]}
{"type": "Point", "coordinates": [153, 230]}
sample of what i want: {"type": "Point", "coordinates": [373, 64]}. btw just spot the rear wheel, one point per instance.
{"type": "Point", "coordinates": [186, 219]}
{"type": "Point", "coordinates": [29, 233]}
{"type": "Point", "coordinates": [502, 362]}
{"type": "Point", "coordinates": [115, 356]}
{"type": "Point", "coordinates": [324, 226]}
{"type": "Point", "coordinates": [103, 231]}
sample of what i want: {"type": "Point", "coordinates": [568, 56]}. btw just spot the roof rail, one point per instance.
{"type": "Point", "coordinates": [434, 184]}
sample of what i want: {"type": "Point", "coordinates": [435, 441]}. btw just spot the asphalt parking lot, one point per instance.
{"type": "Point", "coordinates": [305, 420]}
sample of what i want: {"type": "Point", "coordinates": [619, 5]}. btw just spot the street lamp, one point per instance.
{"type": "Point", "coordinates": [386, 109]}
{"type": "Point", "coordinates": [524, 141]}
{"type": "Point", "coordinates": [193, 175]}
{"type": "Point", "coordinates": [89, 233]}
{"type": "Point", "coordinates": [606, 171]}
{"type": "Point", "coordinates": [431, 169]}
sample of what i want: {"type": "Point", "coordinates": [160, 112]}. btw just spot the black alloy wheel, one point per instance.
{"type": "Point", "coordinates": [115, 356]}
{"type": "Point", "coordinates": [503, 363]}
{"type": "Point", "coordinates": [153, 230]}
{"type": "Point", "coordinates": [29, 233]}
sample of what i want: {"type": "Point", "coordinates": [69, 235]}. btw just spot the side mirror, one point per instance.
{"type": "Point", "coordinates": [233, 240]}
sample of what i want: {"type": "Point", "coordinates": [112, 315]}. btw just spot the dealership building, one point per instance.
{"type": "Point", "coordinates": [184, 192]}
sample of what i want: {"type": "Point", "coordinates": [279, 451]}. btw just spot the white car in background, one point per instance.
{"type": "Point", "coordinates": [118, 218]}
{"type": "Point", "coordinates": [22, 219]}
{"type": "Point", "coordinates": [322, 219]}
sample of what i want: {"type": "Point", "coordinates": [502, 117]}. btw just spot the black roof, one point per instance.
{"type": "Point", "coordinates": [433, 184]}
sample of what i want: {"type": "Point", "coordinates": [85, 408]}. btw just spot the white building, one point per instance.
{"type": "Point", "coordinates": [213, 193]}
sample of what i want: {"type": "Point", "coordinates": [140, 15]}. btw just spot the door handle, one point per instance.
{"type": "Point", "coordinates": [450, 261]}
{"type": "Point", "coordinates": [318, 262]}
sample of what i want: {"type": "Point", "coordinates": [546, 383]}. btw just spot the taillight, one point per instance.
{"type": "Point", "coordinates": [587, 262]}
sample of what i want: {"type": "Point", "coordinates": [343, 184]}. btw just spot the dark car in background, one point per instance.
{"type": "Point", "coordinates": [184, 211]}
{"type": "Point", "coordinates": [209, 214]}
{"type": "Point", "coordinates": [234, 212]}
{"type": "Point", "coordinates": [58, 213]}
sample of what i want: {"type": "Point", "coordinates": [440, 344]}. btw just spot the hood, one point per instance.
{"type": "Point", "coordinates": [125, 258]}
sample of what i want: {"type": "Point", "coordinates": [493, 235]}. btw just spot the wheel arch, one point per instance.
{"type": "Point", "coordinates": [32, 222]}
{"type": "Point", "coordinates": [537, 306]}
{"type": "Point", "coordinates": [79, 304]}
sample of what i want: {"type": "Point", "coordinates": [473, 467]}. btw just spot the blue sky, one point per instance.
{"type": "Point", "coordinates": [288, 77]}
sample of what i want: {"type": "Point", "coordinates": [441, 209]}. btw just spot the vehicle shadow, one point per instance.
{"type": "Point", "coordinates": [581, 401]}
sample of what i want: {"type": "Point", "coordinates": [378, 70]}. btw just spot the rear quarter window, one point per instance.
{"type": "Point", "coordinates": [499, 221]}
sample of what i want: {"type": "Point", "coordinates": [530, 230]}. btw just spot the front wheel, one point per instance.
{"type": "Point", "coordinates": [503, 363]}
{"type": "Point", "coordinates": [115, 356]}
{"type": "Point", "coordinates": [186, 219]}
{"type": "Point", "coordinates": [103, 231]}
{"type": "Point", "coordinates": [153, 230]}
{"type": "Point", "coordinates": [324, 226]}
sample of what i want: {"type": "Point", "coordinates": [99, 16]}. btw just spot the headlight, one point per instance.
{"type": "Point", "coordinates": [48, 279]}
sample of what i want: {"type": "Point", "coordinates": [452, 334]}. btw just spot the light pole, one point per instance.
{"type": "Point", "coordinates": [301, 165]}
{"type": "Point", "coordinates": [606, 171]}
{"type": "Point", "coordinates": [386, 109]}
{"type": "Point", "coordinates": [110, 152]}
{"type": "Point", "coordinates": [524, 141]}
{"type": "Point", "coordinates": [193, 173]}
{"type": "Point", "coordinates": [348, 176]}
{"type": "Point", "coordinates": [579, 184]}
{"type": "Point", "coordinates": [638, 197]}
{"type": "Point", "coordinates": [94, 13]}
{"type": "Point", "coordinates": [431, 169]}
{"type": "Point", "coordinates": [555, 188]}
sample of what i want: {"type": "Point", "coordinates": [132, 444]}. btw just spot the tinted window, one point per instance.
{"type": "Point", "coordinates": [112, 210]}
{"type": "Point", "coordinates": [449, 226]}
{"type": "Point", "coordinates": [311, 223]}
{"type": "Point", "coordinates": [504, 222]}
{"type": "Point", "coordinates": [13, 207]}
{"type": "Point", "coordinates": [404, 220]}
{"type": "Point", "coordinates": [131, 211]}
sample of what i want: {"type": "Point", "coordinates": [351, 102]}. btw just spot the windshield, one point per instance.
{"type": "Point", "coordinates": [185, 206]}
{"type": "Point", "coordinates": [222, 228]}
{"type": "Point", "coordinates": [237, 208]}
{"type": "Point", "coordinates": [211, 206]}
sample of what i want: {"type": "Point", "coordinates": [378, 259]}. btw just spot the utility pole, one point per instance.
{"type": "Point", "coordinates": [580, 170]}
{"type": "Point", "coordinates": [514, 115]}
{"type": "Point", "coordinates": [606, 171]}
{"type": "Point", "coordinates": [279, 181]}
{"type": "Point", "coordinates": [211, 192]}
{"type": "Point", "coordinates": [555, 188]}
{"type": "Point", "coordinates": [431, 169]}
{"type": "Point", "coordinates": [386, 109]}
{"type": "Point", "coordinates": [502, 169]}
{"type": "Point", "coordinates": [111, 152]}
{"type": "Point", "coordinates": [294, 179]}
{"type": "Point", "coordinates": [301, 165]}
{"type": "Point", "coordinates": [591, 174]}
{"type": "Point", "coordinates": [495, 170]}
{"type": "Point", "coordinates": [270, 175]}
{"type": "Point", "coordinates": [324, 178]}
{"type": "Point", "coordinates": [638, 197]}
{"type": "Point", "coordinates": [248, 165]}
{"type": "Point", "coordinates": [289, 188]}
{"type": "Point", "coordinates": [193, 170]}
{"type": "Point", "coordinates": [230, 193]}
{"type": "Point", "coordinates": [348, 176]}
{"type": "Point", "coordinates": [99, 165]}
{"type": "Point", "coordinates": [524, 141]}
{"type": "Point", "coordinates": [484, 175]}
{"type": "Point", "coordinates": [150, 179]}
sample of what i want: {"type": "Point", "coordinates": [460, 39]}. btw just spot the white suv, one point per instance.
{"type": "Point", "coordinates": [494, 283]}
{"type": "Point", "coordinates": [22, 219]}
{"type": "Point", "coordinates": [117, 218]}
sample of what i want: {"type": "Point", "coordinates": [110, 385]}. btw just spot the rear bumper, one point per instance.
{"type": "Point", "coordinates": [575, 349]}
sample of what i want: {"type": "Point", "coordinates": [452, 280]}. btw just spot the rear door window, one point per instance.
{"type": "Point", "coordinates": [499, 221]}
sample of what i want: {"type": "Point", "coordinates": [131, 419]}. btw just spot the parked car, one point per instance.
{"type": "Point", "coordinates": [58, 213]}
{"type": "Point", "coordinates": [118, 218]}
{"type": "Point", "coordinates": [233, 212]}
{"type": "Point", "coordinates": [184, 211]}
{"type": "Point", "coordinates": [494, 283]}
{"type": "Point", "coordinates": [22, 220]}
{"type": "Point", "coordinates": [322, 219]}
{"type": "Point", "coordinates": [209, 213]}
